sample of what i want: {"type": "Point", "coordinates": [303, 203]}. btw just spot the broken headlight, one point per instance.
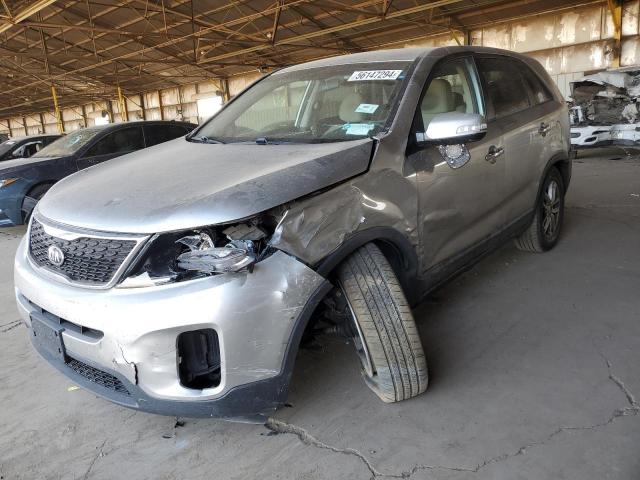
{"type": "Point", "coordinates": [216, 260]}
{"type": "Point", "coordinates": [178, 256]}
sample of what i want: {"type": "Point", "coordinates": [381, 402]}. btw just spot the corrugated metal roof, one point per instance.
{"type": "Point", "coordinates": [88, 47]}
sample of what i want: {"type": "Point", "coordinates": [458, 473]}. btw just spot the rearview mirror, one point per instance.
{"type": "Point", "coordinates": [455, 128]}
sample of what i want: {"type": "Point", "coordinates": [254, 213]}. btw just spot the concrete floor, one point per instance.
{"type": "Point", "coordinates": [533, 361]}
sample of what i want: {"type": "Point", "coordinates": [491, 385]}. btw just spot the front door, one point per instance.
{"type": "Point", "coordinates": [458, 207]}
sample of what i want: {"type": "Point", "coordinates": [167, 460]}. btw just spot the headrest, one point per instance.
{"type": "Point", "coordinates": [348, 106]}
{"type": "Point", "coordinates": [439, 97]}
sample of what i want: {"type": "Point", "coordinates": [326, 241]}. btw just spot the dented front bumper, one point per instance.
{"type": "Point", "coordinates": [130, 334]}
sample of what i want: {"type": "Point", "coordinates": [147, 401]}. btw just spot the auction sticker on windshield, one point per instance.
{"type": "Point", "coordinates": [361, 75]}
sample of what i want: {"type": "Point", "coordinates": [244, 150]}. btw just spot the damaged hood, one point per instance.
{"type": "Point", "coordinates": [180, 184]}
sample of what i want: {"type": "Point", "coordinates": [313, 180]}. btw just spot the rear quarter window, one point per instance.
{"type": "Point", "coordinates": [155, 134]}
{"type": "Point", "coordinates": [540, 92]}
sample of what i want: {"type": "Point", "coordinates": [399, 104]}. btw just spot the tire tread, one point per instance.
{"type": "Point", "coordinates": [386, 322]}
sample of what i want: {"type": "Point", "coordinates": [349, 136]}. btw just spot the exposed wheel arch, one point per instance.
{"type": "Point", "coordinates": [397, 249]}
{"type": "Point", "coordinates": [563, 164]}
{"type": "Point", "coordinates": [32, 196]}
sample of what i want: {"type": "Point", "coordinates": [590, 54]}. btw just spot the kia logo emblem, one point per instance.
{"type": "Point", "coordinates": [55, 255]}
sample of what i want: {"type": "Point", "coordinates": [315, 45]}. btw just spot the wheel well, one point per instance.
{"type": "Point", "coordinates": [399, 265]}
{"type": "Point", "coordinates": [395, 247]}
{"type": "Point", "coordinates": [26, 213]}
{"type": "Point", "coordinates": [564, 167]}
{"type": "Point", "coordinates": [40, 184]}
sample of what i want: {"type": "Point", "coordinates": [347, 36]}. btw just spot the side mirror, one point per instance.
{"type": "Point", "coordinates": [454, 128]}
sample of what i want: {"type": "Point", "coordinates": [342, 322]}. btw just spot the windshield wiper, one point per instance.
{"type": "Point", "coordinates": [272, 141]}
{"type": "Point", "coordinates": [204, 140]}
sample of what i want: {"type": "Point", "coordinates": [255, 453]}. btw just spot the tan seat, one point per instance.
{"type": "Point", "coordinates": [438, 99]}
{"type": "Point", "coordinates": [347, 111]}
{"type": "Point", "coordinates": [459, 103]}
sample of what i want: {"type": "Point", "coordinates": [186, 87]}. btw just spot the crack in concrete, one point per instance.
{"type": "Point", "coordinates": [308, 439]}
{"type": "Point", "coordinates": [630, 397]}
{"type": "Point", "coordinates": [93, 461]}
{"type": "Point", "coordinates": [13, 322]}
{"type": "Point", "coordinates": [11, 326]}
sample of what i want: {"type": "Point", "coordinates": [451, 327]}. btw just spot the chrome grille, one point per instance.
{"type": "Point", "coordinates": [87, 260]}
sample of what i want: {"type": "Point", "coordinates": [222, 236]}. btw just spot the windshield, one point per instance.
{"type": "Point", "coordinates": [328, 104]}
{"type": "Point", "coordinates": [69, 144]}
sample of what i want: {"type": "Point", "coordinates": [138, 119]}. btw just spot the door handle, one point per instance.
{"type": "Point", "coordinates": [493, 153]}
{"type": "Point", "coordinates": [544, 129]}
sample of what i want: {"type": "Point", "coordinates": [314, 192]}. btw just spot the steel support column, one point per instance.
{"type": "Point", "coordinates": [615, 7]}
{"type": "Point", "coordinates": [84, 116]}
{"type": "Point", "coordinates": [226, 94]}
{"type": "Point", "coordinates": [122, 102]}
{"type": "Point", "coordinates": [160, 104]}
{"type": "Point", "coordinates": [143, 106]}
{"type": "Point", "coordinates": [56, 109]}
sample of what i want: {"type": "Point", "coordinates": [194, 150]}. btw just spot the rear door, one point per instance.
{"type": "Point", "coordinates": [461, 207]}
{"type": "Point", "coordinates": [113, 144]}
{"type": "Point", "coordinates": [520, 113]}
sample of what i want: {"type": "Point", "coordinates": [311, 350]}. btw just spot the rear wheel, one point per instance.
{"type": "Point", "coordinates": [32, 198]}
{"type": "Point", "coordinates": [544, 231]}
{"type": "Point", "coordinates": [383, 329]}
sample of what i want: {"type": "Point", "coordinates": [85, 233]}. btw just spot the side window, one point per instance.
{"type": "Point", "coordinates": [120, 141]}
{"type": "Point", "coordinates": [31, 148]}
{"type": "Point", "coordinates": [538, 89]}
{"type": "Point", "coordinates": [504, 85]}
{"type": "Point", "coordinates": [155, 134]}
{"type": "Point", "coordinates": [18, 152]}
{"type": "Point", "coordinates": [452, 88]}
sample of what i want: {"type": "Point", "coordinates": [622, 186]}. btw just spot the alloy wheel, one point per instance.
{"type": "Point", "coordinates": [551, 210]}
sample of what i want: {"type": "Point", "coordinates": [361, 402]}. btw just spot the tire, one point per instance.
{"type": "Point", "coordinates": [544, 231]}
{"type": "Point", "coordinates": [32, 198]}
{"type": "Point", "coordinates": [393, 361]}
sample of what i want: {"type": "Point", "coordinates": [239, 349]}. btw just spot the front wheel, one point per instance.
{"type": "Point", "coordinates": [544, 231]}
{"type": "Point", "coordinates": [384, 332]}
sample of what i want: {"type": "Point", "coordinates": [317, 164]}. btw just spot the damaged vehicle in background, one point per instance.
{"type": "Point", "coordinates": [328, 197]}
{"type": "Point", "coordinates": [605, 110]}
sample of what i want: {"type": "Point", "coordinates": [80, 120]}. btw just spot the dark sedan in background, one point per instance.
{"type": "Point", "coordinates": [24, 181]}
{"type": "Point", "coordinates": [23, 147]}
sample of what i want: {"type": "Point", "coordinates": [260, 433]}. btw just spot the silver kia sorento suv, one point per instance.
{"type": "Point", "coordinates": [328, 196]}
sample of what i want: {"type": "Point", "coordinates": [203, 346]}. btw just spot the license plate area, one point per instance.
{"type": "Point", "coordinates": [48, 338]}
